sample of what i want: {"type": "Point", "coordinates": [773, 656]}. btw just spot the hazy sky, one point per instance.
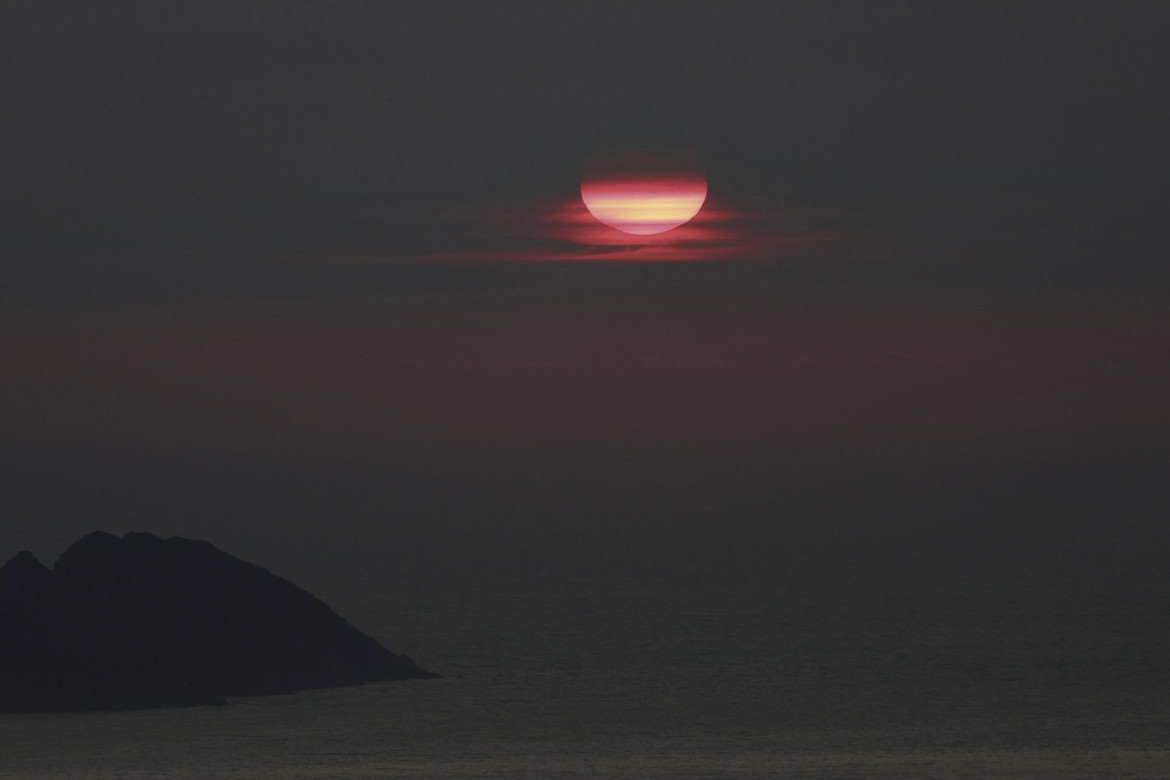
{"type": "Point", "coordinates": [272, 221]}
{"type": "Point", "coordinates": [128, 118]}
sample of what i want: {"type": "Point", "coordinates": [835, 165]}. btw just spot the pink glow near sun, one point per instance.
{"type": "Point", "coordinates": [643, 194]}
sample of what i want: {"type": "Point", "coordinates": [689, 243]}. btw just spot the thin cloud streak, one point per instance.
{"type": "Point", "coordinates": [561, 230]}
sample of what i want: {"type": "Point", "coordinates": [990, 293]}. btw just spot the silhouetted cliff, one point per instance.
{"type": "Point", "coordinates": [146, 622]}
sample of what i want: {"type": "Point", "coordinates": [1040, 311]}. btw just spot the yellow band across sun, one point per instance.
{"type": "Point", "coordinates": [655, 212]}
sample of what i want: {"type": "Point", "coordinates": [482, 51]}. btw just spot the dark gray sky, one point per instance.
{"type": "Point", "coordinates": [127, 119]}
{"type": "Point", "coordinates": [341, 222]}
{"type": "Point", "coordinates": [342, 235]}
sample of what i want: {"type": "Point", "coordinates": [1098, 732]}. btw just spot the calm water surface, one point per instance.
{"type": "Point", "coordinates": [701, 674]}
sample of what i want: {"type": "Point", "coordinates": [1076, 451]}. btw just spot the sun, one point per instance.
{"type": "Point", "coordinates": [643, 193]}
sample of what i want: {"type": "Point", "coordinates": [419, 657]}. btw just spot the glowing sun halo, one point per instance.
{"type": "Point", "coordinates": [643, 193]}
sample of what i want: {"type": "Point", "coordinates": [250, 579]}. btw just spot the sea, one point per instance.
{"type": "Point", "coordinates": [1031, 643]}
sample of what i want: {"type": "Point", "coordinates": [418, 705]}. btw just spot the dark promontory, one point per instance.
{"type": "Point", "coordinates": [139, 621]}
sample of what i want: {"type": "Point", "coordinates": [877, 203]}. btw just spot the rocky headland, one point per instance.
{"type": "Point", "coordinates": [139, 621]}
